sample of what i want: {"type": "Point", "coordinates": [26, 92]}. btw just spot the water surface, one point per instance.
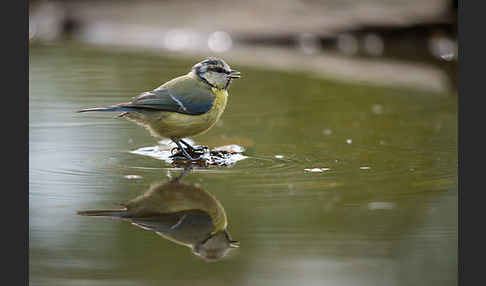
{"type": "Point", "coordinates": [344, 184]}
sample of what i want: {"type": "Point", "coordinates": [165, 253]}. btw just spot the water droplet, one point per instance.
{"type": "Point", "coordinates": [317, 170]}
{"type": "Point", "coordinates": [377, 109]}
{"type": "Point", "coordinates": [381, 206]}
{"type": "Point", "coordinates": [132, 177]}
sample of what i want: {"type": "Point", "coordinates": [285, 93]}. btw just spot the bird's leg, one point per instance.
{"type": "Point", "coordinates": [184, 151]}
{"type": "Point", "coordinates": [202, 148]}
{"type": "Point", "coordinates": [178, 222]}
{"type": "Point", "coordinates": [187, 169]}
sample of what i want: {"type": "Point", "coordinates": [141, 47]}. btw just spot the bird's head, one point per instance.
{"type": "Point", "coordinates": [215, 72]}
{"type": "Point", "coordinates": [215, 246]}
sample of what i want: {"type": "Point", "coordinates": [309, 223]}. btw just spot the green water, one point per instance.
{"type": "Point", "coordinates": [383, 211]}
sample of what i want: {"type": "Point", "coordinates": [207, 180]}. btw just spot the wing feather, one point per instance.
{"type": "Point", "coordinates": [183, 95]}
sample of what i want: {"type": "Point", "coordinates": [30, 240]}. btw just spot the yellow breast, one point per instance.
{"type": "Point", "coordinates": [177, 125]}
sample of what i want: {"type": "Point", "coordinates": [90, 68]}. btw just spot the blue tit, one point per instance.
{"type": "Point", "coordinates": [185, 106]}
{"type": "Point", "coordinates": [181, 213]}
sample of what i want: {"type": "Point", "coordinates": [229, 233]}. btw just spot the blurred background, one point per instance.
{"type": "Point", "coordinates": [346, 111]}
{"type": "Point", "coordinates": [336, 38]}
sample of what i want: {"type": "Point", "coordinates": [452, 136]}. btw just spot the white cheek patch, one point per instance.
{"type": "Point", "coordinates": [211, 76]}
{"type": "Point", "coordinates": [216, 79]}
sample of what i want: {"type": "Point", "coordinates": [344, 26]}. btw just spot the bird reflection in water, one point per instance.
{"type": "Point", "coordinates": [182, 213]}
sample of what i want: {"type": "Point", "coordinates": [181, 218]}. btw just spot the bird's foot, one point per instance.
{"type": "Point", "coordinates": [194, 149]}
{"type": "Point", "coordinates": [184, 155]}
{"type": "Point", "coordinates": [198, 148]}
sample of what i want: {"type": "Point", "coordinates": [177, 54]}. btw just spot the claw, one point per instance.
{"type": "Point", "coordinates": [184, 155]}
{"type": "Point", "coordinates": [184, 152]}
{"type": "Point", "coordinates": [172, 150]}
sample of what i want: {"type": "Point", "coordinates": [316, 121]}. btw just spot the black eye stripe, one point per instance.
{"type": "Point", "coordinates": [219, 70]}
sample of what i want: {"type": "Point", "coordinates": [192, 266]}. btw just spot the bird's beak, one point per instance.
{"type": "Point", "coordinates": [232, 243]}
{"type": "Point", "coordinates": [234, 74]}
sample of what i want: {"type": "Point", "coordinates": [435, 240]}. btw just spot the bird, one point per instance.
{"type": "Point", "coordinates": [182, 213]}
{"type": "Point", "coordinates": [185, 106]}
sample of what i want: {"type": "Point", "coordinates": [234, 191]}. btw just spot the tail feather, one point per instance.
{"type": "Point", "coordinates": [111, 213]}
{"type": "Point", "coordinates": [104, 109]}
{"type": "Point", "coordinates": [98, 109]}
{"type": "Point", "coordinates": [118, 107]}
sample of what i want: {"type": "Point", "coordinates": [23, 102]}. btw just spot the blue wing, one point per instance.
{"type": "Point", "coordinates": [183, 95]}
